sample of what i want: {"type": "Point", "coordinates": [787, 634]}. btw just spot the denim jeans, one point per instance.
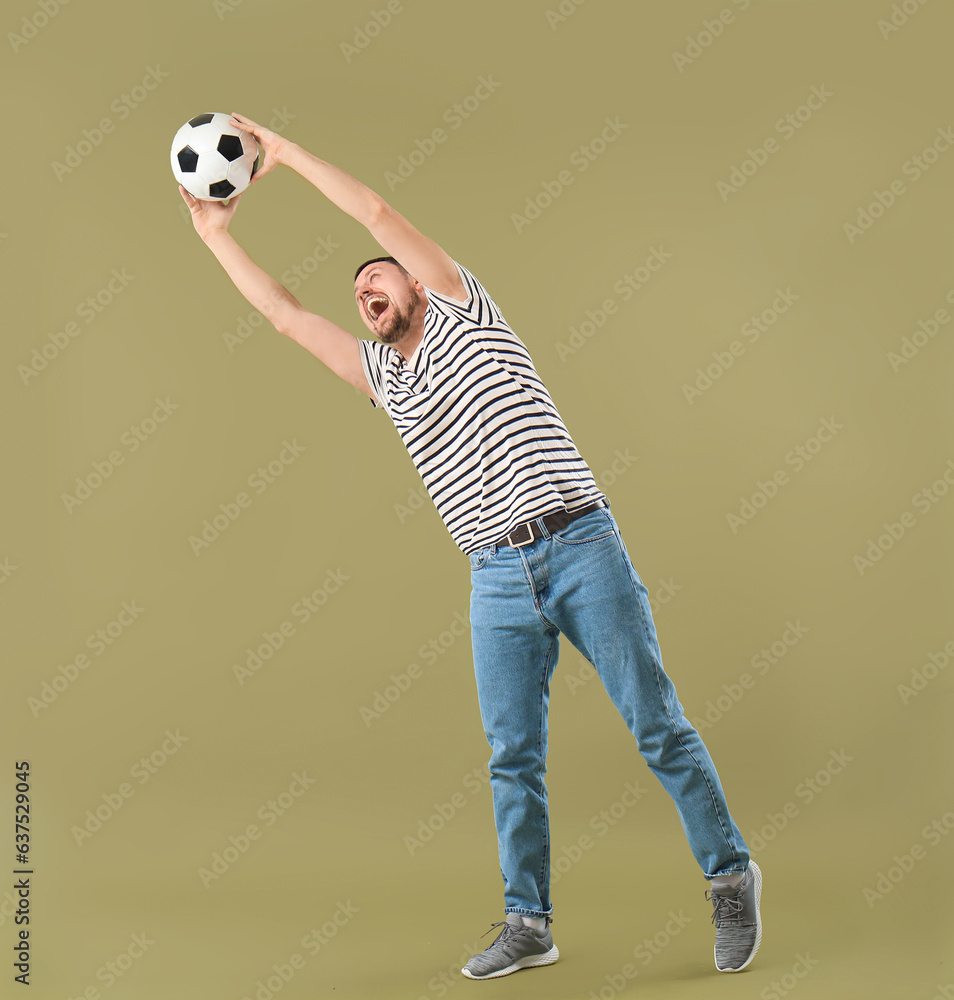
{"type": "Point", "coordinates": [579, 582]}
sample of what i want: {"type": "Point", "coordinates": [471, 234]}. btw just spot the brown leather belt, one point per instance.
{"type": "Point", "coordinates": [524, 534]}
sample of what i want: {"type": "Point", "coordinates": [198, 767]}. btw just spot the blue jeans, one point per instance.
{"type": "Point", "coordinates": [581, 582]}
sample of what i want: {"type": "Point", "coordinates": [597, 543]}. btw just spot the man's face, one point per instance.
{"type": "Point", "coordinates": [387, 300]}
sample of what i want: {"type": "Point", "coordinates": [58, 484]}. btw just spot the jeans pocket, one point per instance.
{"type": "Point", "coordinates": [596, 526]}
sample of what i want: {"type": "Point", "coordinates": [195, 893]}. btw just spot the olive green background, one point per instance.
{"type": "Point", "coordinates": [346, 515]}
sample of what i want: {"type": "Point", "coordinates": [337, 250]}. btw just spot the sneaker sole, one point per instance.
{"type": "Point", "coordinates": [758, 921]}
{"type": "Point", "coordinates": [527, 962]}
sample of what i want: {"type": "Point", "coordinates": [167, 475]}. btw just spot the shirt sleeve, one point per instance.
{"type": "Point", "coordinates": [374, 358]}
{"type": "Point", "coordinates": [477, 308]}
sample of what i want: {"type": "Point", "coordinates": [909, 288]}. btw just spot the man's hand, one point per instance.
{"type": "Point", "coordinates": [271, 142]}
{"type": "Point", "coordinates": [209, 216]}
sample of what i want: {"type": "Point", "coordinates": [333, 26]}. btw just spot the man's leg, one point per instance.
{"type": "Point", "coordinates": [600, 604]}
{"type": "Point", "coordinates": [515, 651]}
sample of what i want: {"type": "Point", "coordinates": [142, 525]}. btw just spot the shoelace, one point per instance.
{"type": "Point", "coordinates": [503, 935]}
{"type": "Point", "coordinates": [512, 928]}
{"type": "Point", "coordinates": [725, 907]}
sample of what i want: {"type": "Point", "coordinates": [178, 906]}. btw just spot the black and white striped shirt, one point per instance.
{"type": "Point", "coordinates": [477, 420]}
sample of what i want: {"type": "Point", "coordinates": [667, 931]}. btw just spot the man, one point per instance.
{"type": "Point", "coordinates": [546, 555]}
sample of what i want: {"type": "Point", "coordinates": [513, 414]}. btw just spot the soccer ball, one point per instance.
{"type": "Point", "coordinates": [212, 159]}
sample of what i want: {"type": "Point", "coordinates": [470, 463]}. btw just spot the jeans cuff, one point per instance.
{"type": "Point", "coordinates": [729, 871]}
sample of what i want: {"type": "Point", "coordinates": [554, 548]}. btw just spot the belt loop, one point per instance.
{"type": "Point", "coordinates": [544, 530]}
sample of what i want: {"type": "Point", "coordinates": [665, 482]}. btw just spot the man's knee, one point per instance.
{"type": "Point", "coordinates": [515, 757]}
{"type": "Point", "coordinates": [662, 745]}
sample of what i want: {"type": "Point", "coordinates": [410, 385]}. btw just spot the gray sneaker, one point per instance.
{"type": "Point", "coordinates": [735, 912]}
{"type": "Point", "coordinates": [516, 947]}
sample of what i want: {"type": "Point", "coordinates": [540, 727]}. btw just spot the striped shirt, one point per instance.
{"type": "Point", "coordinates": [477, 421]}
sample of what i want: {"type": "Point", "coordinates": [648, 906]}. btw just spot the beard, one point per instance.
{"type": "Point", "coordinates": [396, 326]}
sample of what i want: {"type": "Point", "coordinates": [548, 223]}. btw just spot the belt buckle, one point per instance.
{"type": "Point", "coordinates": [520, 545]}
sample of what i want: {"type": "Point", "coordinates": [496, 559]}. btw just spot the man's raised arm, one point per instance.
{"type": "Point", "coordinates": [334, 346]}
{"type": "Point", "coordinates": [417, 253]}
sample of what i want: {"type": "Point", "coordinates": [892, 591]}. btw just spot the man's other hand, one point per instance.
{"type": "Point", "coordinates": [271, 142]}
{"type": "Point", "coordinates": [209, 217]}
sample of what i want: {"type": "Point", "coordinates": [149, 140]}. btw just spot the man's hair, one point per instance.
{"type": "Point", "coordinates": [375, 260]}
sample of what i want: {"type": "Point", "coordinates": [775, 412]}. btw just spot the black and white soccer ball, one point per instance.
{"type": "Point", "coordinates": [212, 159]}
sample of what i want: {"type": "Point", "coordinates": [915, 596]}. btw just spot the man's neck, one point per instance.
{"type": "Point", "coordinates": [406, 346]}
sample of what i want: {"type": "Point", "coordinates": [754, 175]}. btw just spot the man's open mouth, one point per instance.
{"type": "Point", "coordinates": [377, 305]}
